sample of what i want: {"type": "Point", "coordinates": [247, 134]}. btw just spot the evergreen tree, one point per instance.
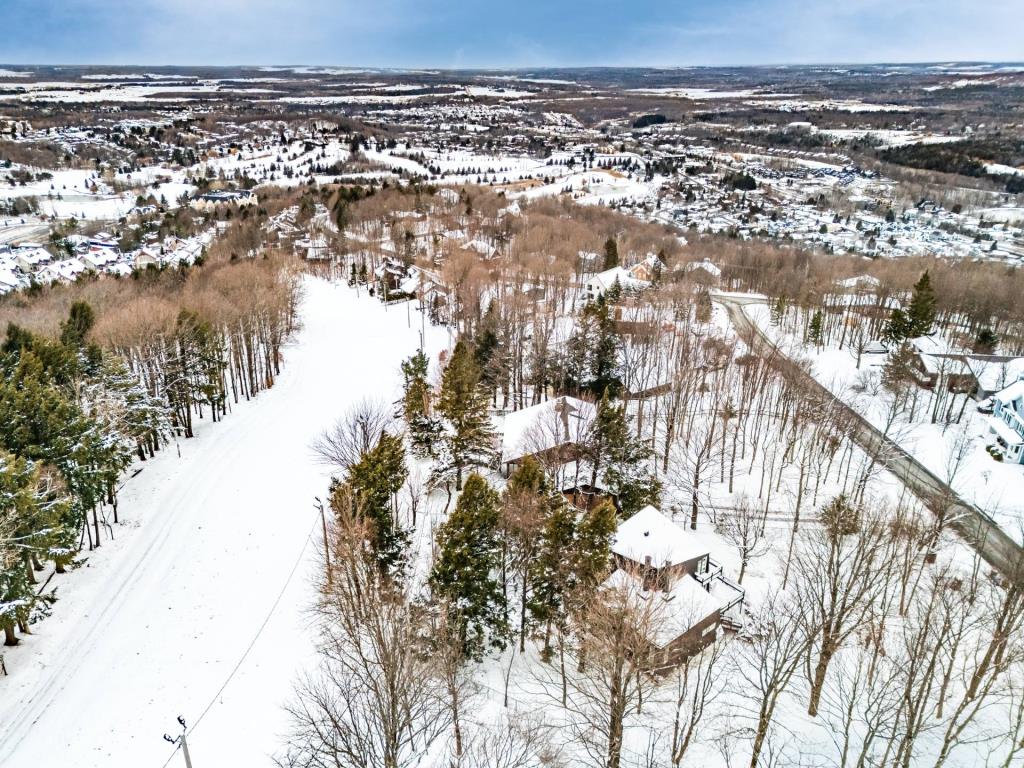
{"type": "Point", "coordinates": [592, 548]}
{"type": "Point", "coordinates": [573, 558]}
{"type": "Point", "coordinates": [373, 482]}
{"type": "Point", "coordinates": [19, 531]}
{"type": "Point", "coordinates": [898, 329]}
{"type": "Point", "coordinates": [604, 360]}
{"type": "Point", "coordinates": [921, 312]}
{"type": "Point", "coordinates": [814, 331]}
{"type": "Point", "coordinates": [620, 460]}
{"type": "Point", "coordinates": [463, 578]}
{"type": "Point", "coordinates": [611, 253]}
{"type": "Point", "coordinates": [40, 422]}
{"type": "Point", "coordinates": [463, 403]}
{"type": "Point", "coordinates": [592, 360]}
{"type": "Point", "coordinates": [551, 571]}
{"type": "Point", "coordinates": [899, 369]}
{"type": "Point", "coordinates": [417, 396]}
{"type": "Point", "coordinates": [486, 348]}
{"type": "Point", "coordinates": [80, 321]}
{"type": "Point", "coordinates": [986, 341]}
{"type": "Point", "coordinates": [703, 310]}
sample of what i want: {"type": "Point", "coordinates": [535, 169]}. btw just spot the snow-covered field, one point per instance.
{"type": "Point", "coordinates": [215, 552]}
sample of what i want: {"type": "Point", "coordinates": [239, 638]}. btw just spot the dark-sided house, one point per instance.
{"type": "Point", "coordinates": [551, 431]}
{"type": "Point", "coordinates": [937, 364]}
{"type": "Point", "coordinates": [668, 574]}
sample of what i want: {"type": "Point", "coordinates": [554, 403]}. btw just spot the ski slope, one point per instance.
{"type": "Point", "coordinates": [211, 545]}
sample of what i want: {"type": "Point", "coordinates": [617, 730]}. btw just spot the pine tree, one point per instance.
{"type": "Point", "coordinates": [611, 253]}
{"type": "Point", "coordinates": [80, 321]}
{"type": "Point", "coordinates": [29, 528]}
{"type": "Point", "coordinates": [551, 571]}
{"type": "Point", "coordinates": [463, 578]}
{"type": "Point", "coordinates": [573, 558]}
{"type": "Point", "coordinates": [898, 329]}
{"type": "Point", "coordinates": [463, 403]}
{"type": "Point", "coordinates": [986, 341]}
{"type": "Point", "coordinates": [620, 460]}
{"type": "Point", "coordinates": [526, 504]}
{"type": "Point", "coordinates": [373, 482]}
{"type": "Point", "coordinates": [922, 309]}
{"type": "Point", "coordinates": [486, 348]}
{"type": "Point", "coordinates": [424, 429]}
{"type": "Point", "coordinates": [703, 310]}
{"type": "Point", "coordinates": [814, 331]}
{"type": "Point", "coordinates": [40, 422]}
{"type": "Point", "coordinates": [592, 548]}
{"type": "Point", "coordinates": [593, 360]}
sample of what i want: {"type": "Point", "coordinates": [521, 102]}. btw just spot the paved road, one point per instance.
{"type": "Point", "coordinates": [979, 530]}
{"type": "Point", "coordinates": [30, 231]}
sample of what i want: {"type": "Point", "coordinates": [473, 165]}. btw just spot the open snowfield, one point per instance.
{"type": "Point", "coordinates": [212, 545]}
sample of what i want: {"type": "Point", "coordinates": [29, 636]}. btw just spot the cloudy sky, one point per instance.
{"type": "Point", "coordinates": [511, 33]}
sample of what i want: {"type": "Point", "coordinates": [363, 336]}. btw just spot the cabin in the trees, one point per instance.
{"type": "Point", "coordinates": [704, 273]}
{"type": "Point", "coordinates": [648, 270]}
{"type": "Point", "coordinates": [935, 363]}
{"type": "Point", "coordinates": [671, 577]}
{"type": "Point", "coordinates": [1007, 421]}
{"type": "Point", "coordinates": [552, 431]}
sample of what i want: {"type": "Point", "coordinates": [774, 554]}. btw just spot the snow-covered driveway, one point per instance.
{"type": "Point", "coordinates": [156, 622]}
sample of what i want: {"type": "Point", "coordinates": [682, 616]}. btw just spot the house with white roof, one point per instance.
{"type": "Point", "coordinates": [63, 271]}
{"type": "Point", "coordinates": [551, 431]}
{"type": "Point", "coordinates": [598, 285]}
{"type": "Point", "coordinates": [146, 257]}
{"type": "Point", "coordinates": [994, 373]}
{"type": "Point", "coordinates": [32, 259]}
{"type": "Point", "coordinates": [1007, 421]}
{"type": "Point", "coordinates": [939, 364]}
{"type": "Point", "coordinates": [704, 272]}
{"type": "Point", "coordinates": [9, 281]}
{"type": "Point", "coordinates": [97, 259]}
{"type": "Point", "coordinates": [669, 575]}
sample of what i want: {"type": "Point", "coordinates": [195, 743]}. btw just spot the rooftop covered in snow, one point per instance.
{"type": "Point", "coordinates": [649, 534]}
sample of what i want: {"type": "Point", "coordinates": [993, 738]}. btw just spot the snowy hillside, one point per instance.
{"type": "Point", "coordinates": [212, 546]}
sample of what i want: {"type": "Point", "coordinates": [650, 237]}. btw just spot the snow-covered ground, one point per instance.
{"type": "Point", "coordinates": [212, 545]}
{"type": "Point", "coordinates": [955, 453]}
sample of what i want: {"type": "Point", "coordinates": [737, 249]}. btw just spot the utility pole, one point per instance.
{"type": "Point", "coordinates": [184, 751]}
{"type": "Point", "coordinates": [181, 741]}
{"type": "Point", "coordinates": [327, 549]}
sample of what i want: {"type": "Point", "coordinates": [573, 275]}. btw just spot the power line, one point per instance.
{"type": "Point", "coordinates": [252, 643]}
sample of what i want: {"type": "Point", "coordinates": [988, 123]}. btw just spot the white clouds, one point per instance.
{"type": "Point", "coordinates": [452, 33]}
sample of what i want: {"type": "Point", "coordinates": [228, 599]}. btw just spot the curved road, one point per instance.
{"type": "Point", "coordinates": [978, 529]}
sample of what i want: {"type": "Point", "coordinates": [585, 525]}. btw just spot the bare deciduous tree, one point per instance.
{"type": "Point", "coordinates": [353, 434]}
{"type": "Point", "coordinates": [516, 740]}
{"type": "Point", "coordinates": [776, 641]}
{"type": "Point", "coordinates": [611, 655]}
{"type": "Point", "coordinates": [744, 528]}
{"type": "Point", "coordinates": [695, 686]}
{"type": "Point", "coordinates": [377, 697]}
